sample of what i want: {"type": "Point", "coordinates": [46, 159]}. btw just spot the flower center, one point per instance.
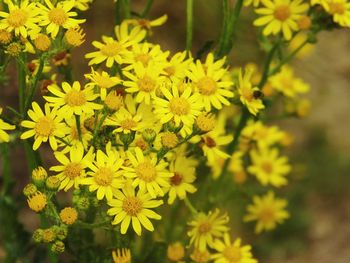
{"type": "Point", "coordinates": [146, 84]}
{"type": "Point", "coordinates": [170, 70]}
{"type": "Point", "coordinates": [75, 98]}
{"type": "Point", "coordinates": [128, 124]}
{"type": "Point", "coordinates": [143, 58]}
{"type": "Point", "coordinates": [45, 126]}
{"type": "Point", "coordinates": [267, 167]}
{"type": "Point", "coordinates": [267, 215]}
{"type": "Point", "coordinates": [132, 205]}
{"type": "Point", "coordinates": [111, 49]}
{"type": "Point", "coordinates": [58, 16]}
{"type": "Point", "coordinates": [282, 12]}
{"type": "Point", "coordinates": [232, 253]}
{"type": "Point", "coordinates": [336, 8]}
{"type": "Point", "coordinates": [204, 228]}
{"type": "Point", "coordinates": [179, 106]}
{"type": "Point", "coordinates": [146, 171]}
{"type": "Point", "coordinates": [17, 18]}
{"type": "Point", "coordinates": [176, 179]}
{"type": "Point", "coordinates": [104, 82]}
{"type": "Point", "coordinates": [73, 170]}
{"type": "Point", "coordinates": [103, 176]}
{"type": "Point", "coordinates": [207, 86]}
{"type": "Point", "coordinates": [247, 93]}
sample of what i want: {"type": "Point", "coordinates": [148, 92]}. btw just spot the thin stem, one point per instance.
{"type": "Point", "coordinates": [190, 206]}
{"type": "Point", "coordinates": [77, 121]}
{"type": "Point", "coordinates": [5, 153]}
{"type": "Point", "coordinates": [99, 124]}
{"type": "Point", "coordinates": [32, 90]}
{"type": "Point", "coordinates": [189, 24]}
{"type": "Point", "coordinates": [126, 7]}
{"type": "Point", "coordinates": [267, 64]}
{"type": "Point", "coordinates": [229, 28]}
{"type": "Point", "coordinates": [21, 83]}
{"type": "Point", "coordinates": [147, 8]}
{"type": "Point", "coordinates": [287, 58]}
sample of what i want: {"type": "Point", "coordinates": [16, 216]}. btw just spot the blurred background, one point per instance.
{"type": "Point", "coordinates": [319, 227]}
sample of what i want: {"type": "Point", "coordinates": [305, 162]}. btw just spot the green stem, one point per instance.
{"type": "Point", "coordinates": [33, 158]}
{"type": "Point", "coordinates": [99, 124]}
{"type": "Point", "coordinates": [21, 83]}
{"type": "Point", "coordinates": [267, 64]}
{"type": "Point", "coordinates": [91, 226]}
{"type": "Point", "coordinates": [189, 24]}
{"type": "Point", "coordinates": [147, 8]}
{"type": "Point", "coordinates": [33, 87]}
{"type": "Point", "coordinates": [287, 58]}
{"type": "Point", "coordinates": [6, 174]}
{"type": "Point", "coordinates": [229, 28]}
{"type": "Point", "coordinates": [126, 7]}
{"type": "Point", "coordinates": [77, 121]}
{"type": "Point", "coordinates": [190, 206]}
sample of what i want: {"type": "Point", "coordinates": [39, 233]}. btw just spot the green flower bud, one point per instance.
{"type": "Point", "coordinates": [52, 183]}
{"type": "Point", "coordinates": [58, 247]}
{"type": "Point", "coordinates": [38, 235]}
{"type": "Point", "coordinates": [48, 235]}
{"type": "Point", "coordinates": [127, 138]}
{"type": "Point", "coordinates": [29, 190]}
{"type": "Point", "coordinates": [149, 135]}
{"type": "Point", "coordinates": [82, 203]}
{"type": "Point", "coordinates": [61, 231]}
{"type": "Point", "coordinates": [39, 176]}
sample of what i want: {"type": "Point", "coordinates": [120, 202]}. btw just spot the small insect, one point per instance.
{"type": "Point", "coordinates": [257, 94]}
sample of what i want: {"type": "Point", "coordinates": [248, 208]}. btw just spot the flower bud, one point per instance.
{"type": "Point", "coordinates": [52, 183]}
{"type": "Point", "coordinates": [38, 235]}
{"type": "Point", "coordinates": [39, 176]}
{"type": "Point", "coordinates": [149, 135]}
{"type": "Point", "coordinates": [60, 231]}
{"type": "Point", "coordinates": [37, 202]}
{"type": "Point", "coordinates": [58, 247]}
{"type": "Point", "coordinates": [42, 42]}
{"type": "Point", "coordinates": [48, 235]}
{"type": "Point", "coordinates": [68, 215]}
{"type": "Point", "coordinates": [29, 190]}
{"type": "Point", "coordinates": [176, 251]}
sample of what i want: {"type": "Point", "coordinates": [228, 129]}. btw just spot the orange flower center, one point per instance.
{"type": "Point", "coordinates": [73, 170]}
{"type": "Point", "coordinates": [17, 18]}
{"type": "Point", "coordinates": [267, 167]}
{"type": "Point", "coordinates": [282, 12]}
{"type": "Point", "coordinates": [179, 106]}
{"type": "Point", "coordinates": [147, 84]}
{"type": "Point", "coordinates": [232, 253]}
{"type": "Point", "coordinates": [75, 98]}
{"type": "Point", "coordinates": [207, 86]}
{"type": "Point", "coordinates": [336, 8]}
{"type": "Point", "coordinates": [267, 215]}
{"type": "Point", "coordinates": [45, 126]}
{"type": "Point", "coordinates": [104, 176]}
{"type": "Point", "coordinates": [146, 171]}
{"type": "Point", "coordinates": [143, 58]}
{"type": "Point", "coordinates": [132, 205]}
{"type": "Point", "coordinates": [58, 16]}
{"type": "Point", "coordinates": [176, 179]}
{"type": "Point", "coordinates": [111, 49]}
{"type": "Point", "coordinates": [204, 228]}
{"type": "Point", "coordinates": [128, 124]}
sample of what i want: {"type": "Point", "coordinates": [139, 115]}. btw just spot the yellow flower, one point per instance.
{"type": "Point", "coordinates": [176, 68]}
{"type": "Point", "coordinates": [145, 81]}
{"type": "Point", "coordinates": [250, 96]}
{"type": "Point", "coordinates": [180, 108]}
{"type": "Point", "coordinates": [68, 215]}
{"type": "Point", "coordinates": [340, 10]}
{"type": "Point", "coordinates": [146, 53]}
{"type": "Point", "coordinates": [280, 16]}
{"type": "Point", "coordinates": [75, 36]}
{"type": "Point", "coordinates": [21, 19]}
{"type": "Point", "coordinates": [71, 170]}
{"type": "Point", "coordinates": [82, 5]}
{"type": "Point", "coordinates": [200, 256]}
{"type": "Point", "coordinates": [121, 255]}
{"type": "Point", "coordinates": [254, 3]}
{"type": "Point", "coordinates": [44, 127]}
{"type": "Point", "coordinates": [115, 50]}
{"type": "Point", "coordinates": [297, 41]}
{"type": "Point", "coordinates": [147, 24]}
{"type": "Point", "coordinates": [72, 99]}
{"type": "Point", "coordinates": [175, 251]}
{"type": "Point", "coordinates": [37, 202]}
{"type": "Point", "coordinates": [128, 207]}
{"type": "Point", "coordinates": [4, 126]}
{"type": "Point", "coordinates": [102, 80]}
{"type": "Point", "coordinates": [59, 16]}
{"type": "Point", "coordinates": [209, 81]}
{"type": "Point", "coordinates": [146, 173]}
{"type": "Point", "coordinates": [105, 175]}
{"type": "Point", "coordinates": [5, 37]}
{"type": "Point", "coordinates": [232, 252]}
{"type": "Point", "coordinates": [288, 84]}
{"type": "Point", "coordinates": [204, 228]}
{"type": "Point", "coordinates": [268, 167]}
{"type": "Point", "coordinates": [184, 169]}
{"type": "Point", "coordinates": [268, 211]}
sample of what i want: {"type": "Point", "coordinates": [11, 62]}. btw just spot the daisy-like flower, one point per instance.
{"type": "Point", "coordinates": [206, 227]}
{"type": "Point", "coordinates": [232, 252]}
{"type": "Point", "coordinates": [115, 50]}
{"type": "Point", "coordinates": [268, 167]}
{"type": "Point", "coordinates": [59, 16]}
{"type": "Point", "coordinates": [181, 108]}
{"type": "Point", "coordinates": [267, 211]}
{"type": "Point", "coordinates": [73, 100]}
{"type": "Point", "coordinates": [129, 207]}
{"type": "Point", "coordinates": [147, 174]}
{"type": "Point", "coordinates": [280, 16]}
{"type": "Point", "coordinates": [209, 80]}
{"type": "Point", "coordinates": [82, 5]}
{"type": "Point", "coordinates": [71, 170]}
{"type": "Point", "coordinates": [44, 126]}
{"type": "Point", "coordinates": [184, 175]}
{"type": "Point", "coordinates": [105, 175]}
{"type": "Point", "coordinates": [144, 82]}
{"type": "Point", "coordinates": [288, 84]}
{"type": "Point", "coordinates": [340, 10]}
{"type": "Point", "coordinates": [146, 53]}
{"type": "Point", "coordinates": [102, 80]}
{"type": "Point", "coordinates": [4, 126]}
{"type": "Point", "coordinates": [250, 96]}
{"type": "Point", "coordinates": [22, 18]}
{"type": "Point", "coordinates": [176, 68]}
